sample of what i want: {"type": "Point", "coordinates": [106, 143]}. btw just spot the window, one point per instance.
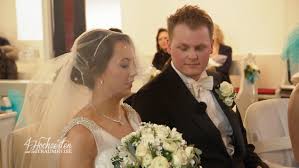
{"type": "Point", "coordinates": [29, 19]}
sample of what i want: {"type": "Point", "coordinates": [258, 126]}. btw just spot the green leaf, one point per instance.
{"type": "Point", "coordinates": [167, 155]}
{"type": "Point", "coordinates": [116, 162]}
{"type": "Point", "coordinates": [153, 150]}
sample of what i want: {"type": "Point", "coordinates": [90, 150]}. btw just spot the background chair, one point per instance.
{"type": "Point", "coordinates": [248, 92]}
{"type": "Point", "coordinates": [266, 123]}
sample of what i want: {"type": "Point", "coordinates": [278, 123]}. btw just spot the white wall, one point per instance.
{"type": "Point", "coordinates": [110, 9]}
{"type": "Point", "coordinates": [8, 27]}
{"type": "Point", "coordinates": [292, 14]}
{"type": "Point", "coordinates": [254, 26]}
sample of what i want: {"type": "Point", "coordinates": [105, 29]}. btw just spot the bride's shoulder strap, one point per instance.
{"type": "Point", "coordinates": [133, 115]}
{"type": "Point", "coordinates": [88, 124]}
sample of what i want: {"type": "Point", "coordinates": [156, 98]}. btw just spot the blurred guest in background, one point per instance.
{"type": "Point", "coordinates": [8, 67]}
{"type": "Point", "coordinates": [222, 55]}
{"type": "Point", "coordinates": [10, 51]}
{"type": "Point", "coordinates": [4, 41]}
{"type": "Point", "coordinates": [162, 56]}
{"type": "Point", "coordinates": [8, 55]}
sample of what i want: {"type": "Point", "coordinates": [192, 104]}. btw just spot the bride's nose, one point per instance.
{"type": "Point", "coordinates": [133, 70]}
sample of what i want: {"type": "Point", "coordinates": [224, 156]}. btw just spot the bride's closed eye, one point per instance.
{"type": "Point", "coordinates": [125, 63]}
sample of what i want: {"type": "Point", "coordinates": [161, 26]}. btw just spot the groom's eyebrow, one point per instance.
{"type": "Point", "coordinates": [183, 45]}
{"type": "Point", "coordinates": [125, 59]}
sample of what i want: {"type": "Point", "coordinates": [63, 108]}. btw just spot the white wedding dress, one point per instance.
{"type": "Point", "coordinates": [106, 143]}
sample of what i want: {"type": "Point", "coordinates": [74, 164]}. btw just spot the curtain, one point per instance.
{"type": "Point", "coordinates": [69, 23]}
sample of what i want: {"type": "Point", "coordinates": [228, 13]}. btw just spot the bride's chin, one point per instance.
{"type": "Point", "coordinates": [124, 94]}
{"type": "Point", "coordinates": [127, 93]}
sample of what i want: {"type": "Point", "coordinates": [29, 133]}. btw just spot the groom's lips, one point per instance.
{"type": "Point", "coordinates": [193, 64]}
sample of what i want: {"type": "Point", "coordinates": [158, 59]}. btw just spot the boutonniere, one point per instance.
{"type": "Point", "coordinates": [226, 93]}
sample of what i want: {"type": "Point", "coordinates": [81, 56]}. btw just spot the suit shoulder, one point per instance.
{"type": "Point", "coordinates": [153, 89]}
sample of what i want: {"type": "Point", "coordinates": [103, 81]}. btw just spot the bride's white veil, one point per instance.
{"type": "Point", "coordinates": [56, 93]}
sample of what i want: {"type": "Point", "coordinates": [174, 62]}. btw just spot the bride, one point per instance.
{"type": "Point", "coordinates": [108, 69]}
{"type": "Point", "coordinates": [84, 105]}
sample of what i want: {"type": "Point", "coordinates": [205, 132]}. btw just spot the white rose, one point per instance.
{"type": "Point", "coordinates": [147, 138]}
{"type": "Point", "coordinates": [141, 150]}
{"type": "Point", "coordinates": [128, 137]}
{"type": "Point", "coordinates": [228, 101]}
{"type": "Point", "coordinates": [146, 131]}
{"type": "Point", "coordinates": [176, 135]}
{"type": "Point", "coordinates": [171, 146]}
{"type": "Point", "coordinates": [146, 160]}
{"type": "Point", "coordinates": [159, 162]}
{"type": "Point", "coordinates": [226, 89]}
{"type": "Point", "coordinates": [179, 158]}
{"type": "Point", "coordinates": [189, 152]}
{"type": "Point", "coordinates": [128, 160]}
{"type": "Point", "coordinates": [162, 132]}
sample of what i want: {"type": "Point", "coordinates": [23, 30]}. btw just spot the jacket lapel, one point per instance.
{"type": "Point", "coordinates": [182, 97]}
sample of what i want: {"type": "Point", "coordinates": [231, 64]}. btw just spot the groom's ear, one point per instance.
{"type": "Point", "coordinates": [169, 47]}
{"type": "Point", "coordinates": [212, 42]}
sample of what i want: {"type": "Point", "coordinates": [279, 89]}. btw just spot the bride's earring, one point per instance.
{"type": "Point", "coordinates": [100, 83]}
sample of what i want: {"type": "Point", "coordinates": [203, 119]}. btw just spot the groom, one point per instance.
{"type": "Point", "coordinates": [183, 96]}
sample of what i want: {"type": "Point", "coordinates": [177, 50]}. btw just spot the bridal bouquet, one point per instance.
{"type": "Point", "coordinates": [155, 146]}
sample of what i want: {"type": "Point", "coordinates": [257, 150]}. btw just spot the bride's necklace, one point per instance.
{"type": "Point", "coordinates": [119, 121]}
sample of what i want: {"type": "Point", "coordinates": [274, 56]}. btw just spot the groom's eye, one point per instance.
{"type": "Point", "coordinates": [183, 48]}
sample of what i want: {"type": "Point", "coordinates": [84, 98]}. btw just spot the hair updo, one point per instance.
{"type": "Point", "coordinates": [93, 52]}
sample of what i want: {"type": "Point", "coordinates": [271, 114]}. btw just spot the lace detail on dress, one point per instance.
{"type": "Point", "coordinates": [106, 143]}
{"type": "Point", "coordinates": [133, 116]}
{"type": "Point", "coordinates": [89, 124]}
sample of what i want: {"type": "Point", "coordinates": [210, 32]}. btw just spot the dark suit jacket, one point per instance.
{"type": "Point", "coordinates": [223, 71]}
{"type": "Point", "coordinates": [166, 100]}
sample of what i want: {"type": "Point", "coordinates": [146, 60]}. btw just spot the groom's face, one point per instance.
{"type": "Point", "coordinates": [190, 49]}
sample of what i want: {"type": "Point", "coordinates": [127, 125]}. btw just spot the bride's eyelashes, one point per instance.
{"type": "Point", "coordinates": [125, 63]}
{"type": "Point", "coordinates": [124, 66]}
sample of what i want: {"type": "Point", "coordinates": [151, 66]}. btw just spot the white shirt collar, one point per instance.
{"type": "Point", "coordinates": [186, 79]}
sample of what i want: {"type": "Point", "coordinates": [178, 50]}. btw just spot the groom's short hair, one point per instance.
{"type": "Point", "coordinates": [192, 16]}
